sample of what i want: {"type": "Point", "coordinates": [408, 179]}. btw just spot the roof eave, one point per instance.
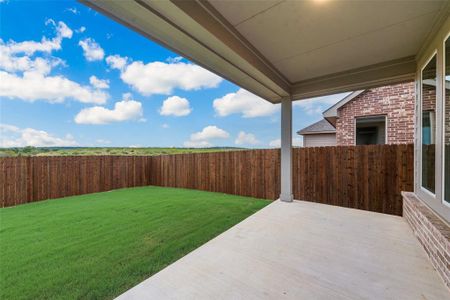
{"type": "Point", "coordinates": [191, 29]}
{"type": "Point", "coordinates": [332, 111]}
{"type": "Point", "coordinates": [315, 132]}
{"type": "Point", "coordinates": [195, 30]}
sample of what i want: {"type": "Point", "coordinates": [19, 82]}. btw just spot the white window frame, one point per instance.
{"type": "Point", "coordinates": [422, 192]}
{"type": "Point", "coordinates": [436, 48]}
{"type": "Point", "coordinates": [444, 58]}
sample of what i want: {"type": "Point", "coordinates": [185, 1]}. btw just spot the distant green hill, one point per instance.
{"type": "Point", "coordinates": [75, 151]}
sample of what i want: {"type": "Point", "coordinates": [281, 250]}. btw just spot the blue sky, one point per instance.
{"type": "Point", "coordinates": [70, 76]}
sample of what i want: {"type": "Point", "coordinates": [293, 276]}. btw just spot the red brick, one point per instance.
{"type": "Point", "coordinates": [396, 102]}
{"type": "Point", "coordinates": [432, 233]}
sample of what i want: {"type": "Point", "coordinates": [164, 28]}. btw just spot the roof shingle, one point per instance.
{"type": "Point", "coordinates": [323, 126]}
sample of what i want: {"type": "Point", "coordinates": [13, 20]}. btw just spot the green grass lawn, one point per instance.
{"type": "Point", "coordinates": [97, 246]}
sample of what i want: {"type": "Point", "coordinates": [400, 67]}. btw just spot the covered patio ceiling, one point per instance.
{"type": "Point", "coordinates": [297, 49]}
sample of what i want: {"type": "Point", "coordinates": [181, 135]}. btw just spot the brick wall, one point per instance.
{"type": "Point", "coordinates": [432, 233]}
{"type": "Point", "coordinates": [395, 101]}
{"type": "Point", "coordinates": [428, 98]}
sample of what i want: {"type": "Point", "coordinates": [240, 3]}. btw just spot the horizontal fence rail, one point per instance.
{"type": "Point", "coordinates": [363, 177]}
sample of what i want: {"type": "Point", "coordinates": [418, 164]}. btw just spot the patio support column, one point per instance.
{"type": "Point", "coordinates": [286, 150]}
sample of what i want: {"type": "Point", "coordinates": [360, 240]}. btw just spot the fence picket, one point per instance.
{"type": "Point", "coordinates": [363, 177]}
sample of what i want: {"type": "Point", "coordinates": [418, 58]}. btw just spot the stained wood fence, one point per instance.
{"type": "Point", "coordinates": [29, 179]}
{"type": "Point", "coordinates": [363, 177]}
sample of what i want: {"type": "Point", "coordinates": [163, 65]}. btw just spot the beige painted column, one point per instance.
{"type": "Point", "coordinates": [286, 150]}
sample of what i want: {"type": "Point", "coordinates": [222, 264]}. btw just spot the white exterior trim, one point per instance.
{"type": "Point", "coordinates": [445, 203]}
{"type": "Point", "coordinates": [286, 150]}
{"type": "Point", "coordinates": [435, 47]}
{"type": "Point", "coordinates": [422, 192]}
{"type": "Point", "coordinates": [333, 110]}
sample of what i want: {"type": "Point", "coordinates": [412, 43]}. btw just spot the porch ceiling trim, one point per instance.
{"type": "Point", "coordinates": [395, 71]}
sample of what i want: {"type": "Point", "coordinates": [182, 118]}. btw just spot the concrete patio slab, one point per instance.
{"type": "Point", "coordinates": [302, 250]}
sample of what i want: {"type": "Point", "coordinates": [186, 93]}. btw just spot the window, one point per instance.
{"type": "Point", "coordinates": [447, 122]}
{"type": "Point", "coordinates": [371, 130]}
{"type": "Point", "coordinates": [428, 126]}
{"type": "Point", "coordinates": [428, 130]}
{"type": "Point", "coordinates": [432, 163]}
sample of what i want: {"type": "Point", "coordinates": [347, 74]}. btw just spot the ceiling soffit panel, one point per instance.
{"type": "Point", "coordinates": [246, 10]}
{"type": "Point", "coordinates": [290, 23]}
{"type": "Point", "coordinates": [391, 43]}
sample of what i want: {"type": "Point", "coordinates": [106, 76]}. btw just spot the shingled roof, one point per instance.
{"type": "Point", "coordinates": [323, 126]}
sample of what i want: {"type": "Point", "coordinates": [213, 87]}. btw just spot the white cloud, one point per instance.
{"type": "Point", "coordinates": [197, 144]}
{"type": "Point", "coordinates": [4, 128]}
{"type": "Point", "coordinates": [16, 56]}
{"type": "Point", "coordinates": [296, 142]}
{"type": "Point", "coordinates": [98, 83]}
{"type": "Point", "coordinates": [174, 59]}
{"type": "Point", "coordinates": [63, 31]}
{"type": "Point", "coordinates": [41, 65]}
{"type": "Point", "coordinates": [124, 110]}
{"type": "Point", "coordinates": [34, 86]}
{"type": "Point", "coordinates": [244, 103]}
{"type": "Point", "coordinates": [175, 106]}
{"type": "Point", "coordinates": [73, 10]}
{"type": "Point", "coordinates": [201, 138]}
{"type": "Point", "coordinates": [165, 126]}
{"type": "Point", "coordinates": [275, 143]}
{"type": "Point", "coordinates": [103, 142]}
{"type": "Point", "coordinates": [163, 77]}
{"type": "Point", "coordinates": [45, 45]}
{"type": "Point", "coordinates": [117, 62]}
{"type": "Point", "coordinates": [244, 138]}
{"type": "Point", "coordinates": [80, 30]}
{"type": "Point", "coordinates": [316, 106]}
{"type": "Point", "coordinates": [210, 132]}
{"type": "Point", "coordinates": [91, 50]}
{"type": "Point", "coordinates": [12, 136]}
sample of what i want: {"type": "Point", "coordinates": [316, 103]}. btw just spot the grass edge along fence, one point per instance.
{"type": "Point", "coordinates": [364, 177]}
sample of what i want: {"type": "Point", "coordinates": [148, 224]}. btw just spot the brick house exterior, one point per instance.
{"type": "Point", "coordinates": [396, 102]}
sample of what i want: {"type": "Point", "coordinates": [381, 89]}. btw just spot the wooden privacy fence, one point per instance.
{"type": "Point", "coordinates": [254, 173]}
{"type": "Point", "coordinates": [363, 177]}
{"type": "Point", "coordinates": [29, 179]}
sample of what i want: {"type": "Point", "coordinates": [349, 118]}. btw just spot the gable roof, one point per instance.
{"type": "Point", "coordinates": [323, 126]}
{"type": "Point", "coordinates": [331, 113]}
